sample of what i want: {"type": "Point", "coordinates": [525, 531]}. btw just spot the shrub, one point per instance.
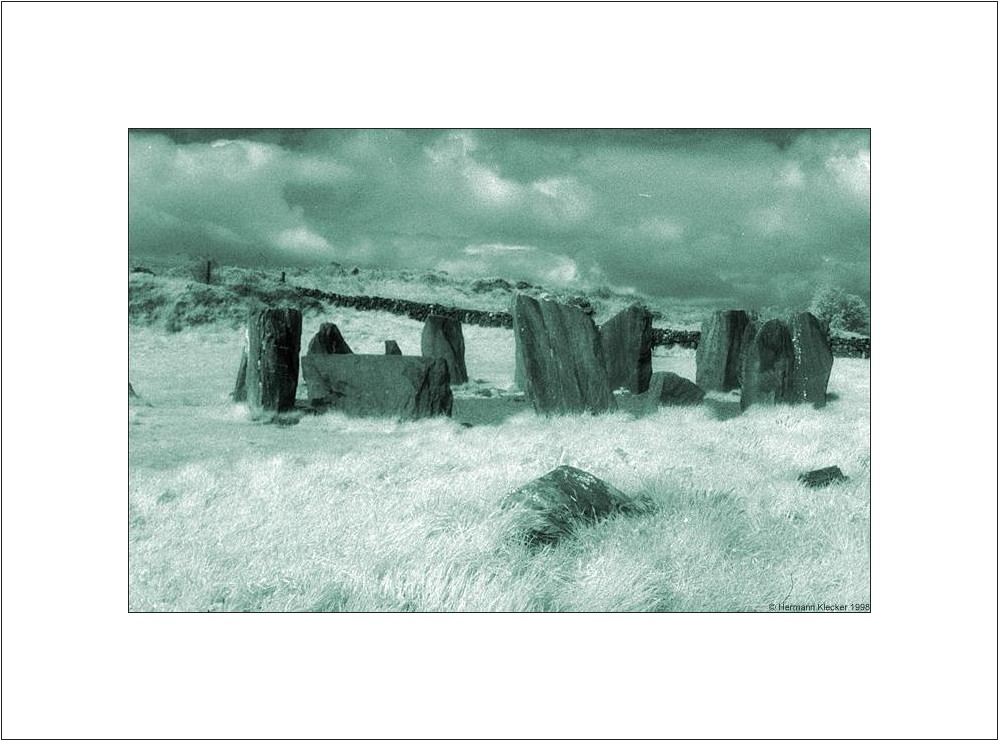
{"type": "Point", "coordinates": [842, 311]}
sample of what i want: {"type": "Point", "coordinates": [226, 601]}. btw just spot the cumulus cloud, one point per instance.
{"type": "Point", "coordinates": [738, 216]}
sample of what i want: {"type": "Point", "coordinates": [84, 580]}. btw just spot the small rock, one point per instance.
{"type": "Point", "coordinates": [328, 341]}
{"type": "Point", "coordinates": [553, 505]}
{"type": "Point", "coordinates": [822, 477]}
{"type": "Point", "coordinates": [669, 389]}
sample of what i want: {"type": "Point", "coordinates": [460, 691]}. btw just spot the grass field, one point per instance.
{"type": "Point", "coordinates": [334, 513]}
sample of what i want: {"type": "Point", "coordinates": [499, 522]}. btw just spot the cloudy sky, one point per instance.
{"type": "Point", "coordinates": [749, 217]}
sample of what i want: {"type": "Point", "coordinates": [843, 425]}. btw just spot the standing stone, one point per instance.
{"type": "Point", "coordinates": [669, 389]}
{"type": "Point", "coordinates": [626, 340]}
{"type": "Point", "coordinates": [272, 363]}
{"type": "Point", "coordinates": [406, 387]}
{"type": "Point", "coordinates": [767, 360]}
{"type": "Point", "coordinates": [239, 390]}
{"type": "Point", "coordinates": [559, 353]}
{"type": "Point", "coordinates": [442, 338]}
{"type": "Point", "coordinates": [392, 348]}
{"type": "Point", "coordinates": [813, 360]}
{"type": "Point", "coordinates": [328, 341]}
{"type": "Point", "coordinates": [202, 270]}
{"type": "Point", "coordinates": [719, 350]}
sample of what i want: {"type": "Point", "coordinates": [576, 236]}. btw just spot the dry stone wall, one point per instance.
{"type": "Point", "coordinates": [847, 347]}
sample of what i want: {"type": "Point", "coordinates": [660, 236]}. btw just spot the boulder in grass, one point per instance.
{"type": "Point", "coordinates": [442, 338]}
{"type": "Point", "coordinates": [822, 477]}
{"type": "Point", "coordinates": [719, 350]}
{"type": "Point", "coordinates": [559, 358]}
{"type": "Point", "coordinates": [552, 506]}
{"type": "Point", "coordinates": [767, 360]}
{"type": "Point", "coordinates": [813, 360]}
{"type": "Point", "coordinates": [328, 341]}
{"type": "Point", "coordinates": [626, 340]}
{"type": "Point", "coordinates": [392, 348]}
{"type": "Point", "coordinates": [669, 389]}
{"type": "Point", "coordinates": [398, 386]}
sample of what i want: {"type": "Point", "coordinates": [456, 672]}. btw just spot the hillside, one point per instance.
{"type": "Point", "coordinates": [173, 298]}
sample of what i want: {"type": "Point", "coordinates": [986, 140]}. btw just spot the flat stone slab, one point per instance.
{"type": "Point", "coordinates": [399, 386]}
{"type": "Point", "coordinates": [554, 504]}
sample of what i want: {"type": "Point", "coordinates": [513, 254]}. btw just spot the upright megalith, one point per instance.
{"type": "Point", "coordinates": [328, 341]}
{"type": "Point", "coordinates": [767, 360]}
{"type": "Point", "coordinates": [626, 340]}
{"type": "Point", "coordinates": [392, 348]}
{"type": "Point", "coordinates": [406, 387]}
{"type": "Point", "coordinates": [719, 351]}
{"type": "Point", "coordinates": [202, 270]}
{"type": "Point", "coordinates": [559, 356]}
{"type": "Point", "coordinates": [275, 338]}
{"type": "Point", "coordinates": [813, 360]}
{"type": "Point", "coordinates": [239, 390]}
{"type": "Point", "coordinates": [442, 338]}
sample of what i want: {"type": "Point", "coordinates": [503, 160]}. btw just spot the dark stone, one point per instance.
{"type": "Point", "coordinates": [813, 360]}
{"type": "Point", "coordinates": [626, 340]}
{"type": "Point", "coordinates": [822, 477]}
{"type": "Point", "coordinates": [490, 284]}
{"type": "Point", "coordinates": [719, 350]}
{"type": "Point", "coordinates": [140, 269]}
{"type": "Point", "coordinates": [403, 386]}
{"type": "Point", "coordinates": [669, 389]}
{"type": "Point", "coordinates": [553, 505]}
{"type": "Point", "coordinates": [202, 270]}
{"type": "Point", "coordinates": [328, 341]}
{"type": "Point", "coordinates": [272, 362]}
{"type": "Point", "coordinates": [355, 271]}
{"type": "Point", "coordinates": [559, 358]}
{"type": "Point", "coordinates": [239, 390]}
{"type": "Point", "coordinates": [442, 338]}
{"type": "Point", "coordinates": [392, 348]}
{"type": "Point", "coordinates": [767, 358]}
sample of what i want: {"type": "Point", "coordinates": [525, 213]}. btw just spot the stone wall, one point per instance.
{"type": "Point", "coordinates": [848, 347]}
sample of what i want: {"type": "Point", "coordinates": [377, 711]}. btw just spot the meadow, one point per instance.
{"type": "Point", "coordinates": [329, 513]}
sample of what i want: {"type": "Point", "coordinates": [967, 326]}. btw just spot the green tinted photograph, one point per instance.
{"type": "Point", "coordinates": [513, 370]}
